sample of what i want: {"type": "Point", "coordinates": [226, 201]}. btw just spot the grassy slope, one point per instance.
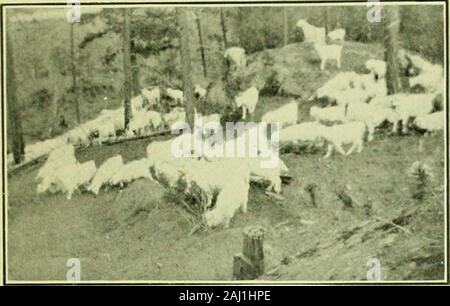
{"type": "Point", "coordinates": [135, 234]}
{"type": "Point", "coordinates": [297, 66]}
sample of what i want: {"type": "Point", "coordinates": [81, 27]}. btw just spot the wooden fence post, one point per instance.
{"type": "Point", "coordinates": [250, 264]}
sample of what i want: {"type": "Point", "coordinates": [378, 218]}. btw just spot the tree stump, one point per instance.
{"type": "Point", "coordinates": [250, 264]}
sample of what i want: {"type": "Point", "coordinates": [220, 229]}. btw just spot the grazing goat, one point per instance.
{"type": "Point", "coordinates": [342, 81]}
{"type": "Point", "coordinates": [71, 177]}
{"type": "Point", "coordinates": [104, 174]}
{"type": "Point", "coordinates": [132, 171]}
{"type": "Point", "coordinates": [59, 156]}
{"type": "Point", "coordinates": [232, 197]}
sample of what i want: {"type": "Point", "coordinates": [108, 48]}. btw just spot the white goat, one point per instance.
{"type": "Point", "coordinates": [303, 132]}
{"type": "Point", "coordinates": [408, 106]}
{"type": "Point", "coordinates": [204, 174]}
{"type": "Point", "coordinates": [237, 56]}
{"type": "Point", "coordinates": [154, 119]}
{"type": "Point", "coordinates": [337, 35]}
{"type": "Point", "coordinates": [78, 136]}
{"type": "Point", "coordinates": [273, 175]}
{"type": "Point", "coordinates": [199, 91]}
{"type": "Point", "coordinates": [176, 95]}
{"type": "Point", "coordinates": [137, 124]}
{"type": "Point", "coordinates": [59, 156]}
{"type": "Point", "coordinates": [371, 115]}
{"type": "Point", "coordinates": [137, 103]}
{"type": "Point", "coordinates": [328, 52]}
{"type": "Point", "coordinates": [165, 172]}
{"type": "Point", "coordinates": [106, 130]}
{"type": "Point", "coordinates": [115, 116]}
{"type": "Point", "coordinates": [71, 177]}
{"type": "Point", "coordinates": [160, 151]}
{"type": "Point", "coordinates": [153, 96]}
{"type": "Point", "coordinates": [432, 80]}
{"type": "Point", "coordinates": [175, 115]}
{"type": "Point", "coordinates": [432, 122]}
{"type": "Point", "coordinates": [343, 134]}
{"type": "Point", "coordinates": [342, 81]}
{"type": "Point", "coordinates": [132, 171]}
{"type": "Point", "coordinates": [350, 96]}
{"type": "Point", "coordinates": [104, 174]}
{"type": "Point", "coordinates": [247, 100]}
{"type": "Point", "coordinates": [232, 197]}
{"type": "Point", "coordinates": [284, 115]}
{"type": "Point", "coordinates": [328, 114]}
{"type": "Point", "coordinates": [311, 33]}
{"type": "Point", "coordinates": [377, 68]}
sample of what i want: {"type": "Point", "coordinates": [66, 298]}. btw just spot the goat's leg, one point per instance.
{"type": "Point", "coordinates": [371, 130]}
{"type": "Point", "coordinates": [404, 125]}
{"type": "Point", "coordinates": [354, 146]}
{"type": "Point", "coordinates": [244, 207]}
{"type": "Point", "coordinates": [329, 151]}
{"type": "Point", "coordinates": [340, 149]}
{"type": "Point", "coordinates": [244, 112]}
{"type": "Point", "coordinates": [360, 146]}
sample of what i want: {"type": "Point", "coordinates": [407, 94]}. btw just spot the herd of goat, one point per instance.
{"type": "Point", "coordinates": [357, 105]}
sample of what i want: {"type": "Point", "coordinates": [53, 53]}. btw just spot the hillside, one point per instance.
{"type": "Point", "coordinates": [295, 68]}
{"type": "Point", "coordinates": [126, 234]}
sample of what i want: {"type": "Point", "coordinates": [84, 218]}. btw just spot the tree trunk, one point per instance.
{"type": "Point", "coordinates": [224, 29]}
{"type": "Point", "coordinates": [186, 67]}
{"type": "Point", "coordinates": [74, 77]}
{"type": "Point", "coordinates": [15, 123]}
{"type": "Point", "coordinates": [202, 49]}
{"type": "Point", "coordinates": [286, 29]}
{"type": "Point", "coordinates": [136, 87]}
{"type": "Point", "coordinates": [325, 20]}
{"type": "Point", "coordinates": [250, 263]}
{"type": "Point", "coordinates": [126, 67]}
{"type": "Point", "coordinates": [391, 42]}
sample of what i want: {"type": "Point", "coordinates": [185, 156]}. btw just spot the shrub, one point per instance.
{"type": "Point", "coordinates": [421, 175]}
